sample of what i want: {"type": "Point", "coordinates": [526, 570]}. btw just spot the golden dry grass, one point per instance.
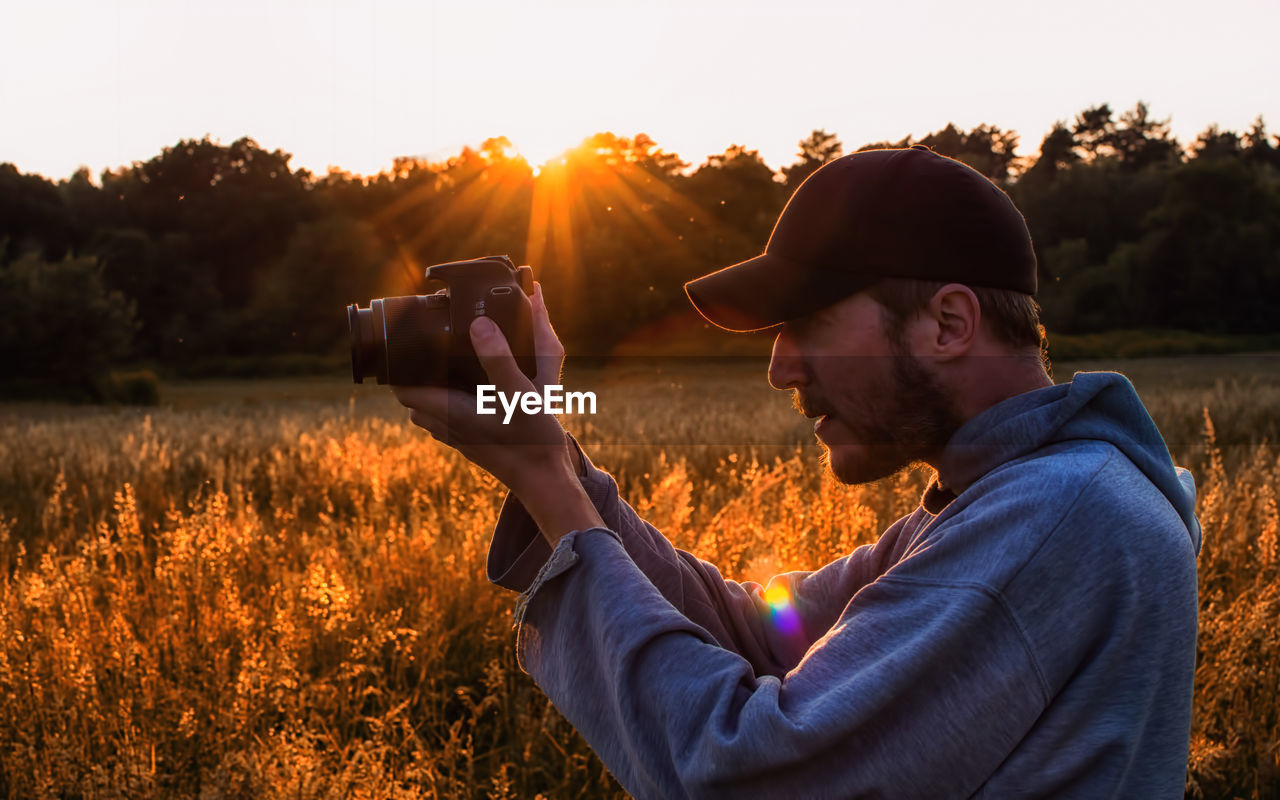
{"type": "Point", "coordinates": [276, 590]}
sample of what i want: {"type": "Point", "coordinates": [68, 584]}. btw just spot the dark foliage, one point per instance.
{"type": "Point", "coordinates": [225, 252]}
{"type": "Point", "coordinates": [62, 328]}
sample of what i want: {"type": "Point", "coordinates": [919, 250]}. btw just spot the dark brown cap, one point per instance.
{"type": "Point", "coordinates": [876, 214]}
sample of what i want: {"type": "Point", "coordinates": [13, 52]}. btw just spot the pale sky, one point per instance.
{"type": "Point", "coordinates": [103, 83]}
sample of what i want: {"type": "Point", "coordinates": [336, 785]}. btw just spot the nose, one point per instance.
{"type": "Point", "coordinates": [786, 366]}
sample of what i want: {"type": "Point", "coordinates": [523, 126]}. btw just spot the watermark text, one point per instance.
{"type": "Point", "coordinates": [553, 399]}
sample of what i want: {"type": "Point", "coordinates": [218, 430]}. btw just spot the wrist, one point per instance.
{"type": "Point", "coordinates": [576, 457]}
{"type": "Point", "coordinates": [558, 503]}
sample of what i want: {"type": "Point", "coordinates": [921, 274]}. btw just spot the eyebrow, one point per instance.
{"type": "Point", "coordinates": [813, 318]}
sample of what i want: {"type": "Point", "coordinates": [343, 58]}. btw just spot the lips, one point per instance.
{"type": "Point", "coordinates": [811, 410]}
{"type": "Point", "coordinates": [821, 423]}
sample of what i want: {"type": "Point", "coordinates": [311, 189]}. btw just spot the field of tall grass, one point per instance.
{"type": "Point", "coordinates": [276, 589]}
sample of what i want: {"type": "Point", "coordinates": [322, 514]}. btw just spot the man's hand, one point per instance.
{"type": "Point", "coordinates": [530, 455]}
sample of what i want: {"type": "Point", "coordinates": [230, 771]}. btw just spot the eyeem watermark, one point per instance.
{"type": "Point", "coordinates": [552, 400]}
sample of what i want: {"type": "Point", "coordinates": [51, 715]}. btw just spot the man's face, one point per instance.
{"type": "Point", "coordinates": [878, 408]}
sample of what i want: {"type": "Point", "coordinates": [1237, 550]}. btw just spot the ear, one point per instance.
{"type": "Point", "coordinates": [957, 314]}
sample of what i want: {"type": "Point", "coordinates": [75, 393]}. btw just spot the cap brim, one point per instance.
{"type": "Point", "coordinates": [766, 291]}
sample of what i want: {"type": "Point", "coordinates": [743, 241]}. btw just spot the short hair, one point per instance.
{"type": "Point", "coordinates": [1014, 317]}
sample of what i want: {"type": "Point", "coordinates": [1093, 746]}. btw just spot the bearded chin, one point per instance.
{"type": "Point", "coordinates": [920, 423]}
{"type": "Point", "coordinates": [878, 461]}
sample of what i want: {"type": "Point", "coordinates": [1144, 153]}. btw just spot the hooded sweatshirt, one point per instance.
{"type": "Point", "coordinates": [1028, 631]}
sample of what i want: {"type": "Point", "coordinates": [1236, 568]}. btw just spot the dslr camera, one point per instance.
{"type": "Point", "coordinates": [424, 340]}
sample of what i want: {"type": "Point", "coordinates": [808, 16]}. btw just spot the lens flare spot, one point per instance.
{"type": "Point", "coordinates": [784, 615]}
{"type": "Point", "coordinates": [777, 596]}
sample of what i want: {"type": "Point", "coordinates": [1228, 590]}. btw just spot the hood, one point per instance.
{"type": "Point", "coordinates": [1099, 406]}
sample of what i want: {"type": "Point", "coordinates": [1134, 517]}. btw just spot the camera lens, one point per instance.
{"type": "Point", "coordinates": [365, 347]}
{"type": "Point", "coordinates": [410, 341]}
{"type": "Point", "coordinates": [401, 340]}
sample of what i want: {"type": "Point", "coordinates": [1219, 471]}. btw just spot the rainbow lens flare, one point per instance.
{"type": "Point", "coordinates": [785, 618]}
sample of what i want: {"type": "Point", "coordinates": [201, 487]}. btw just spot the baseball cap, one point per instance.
{"type": "Point", "coordinates": [900, 213]}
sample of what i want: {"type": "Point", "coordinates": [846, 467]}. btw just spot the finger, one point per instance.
{"type": "Point", "coordinates": [433, 399]}
{"type": "Point", "coordinates": [495, 356]}
{"type": "Point", "coordinates": [406, 395]}
{"type": "Point", "coordinates": [450, 406]}
{"type": "Point", "coordinates": [437, 427]}
{"type": "Point", "coordinates": [549, 352]}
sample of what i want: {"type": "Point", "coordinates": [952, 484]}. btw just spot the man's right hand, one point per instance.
{"type": "Point", "coordinates": [530, 454]}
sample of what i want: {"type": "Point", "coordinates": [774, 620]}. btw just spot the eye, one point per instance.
{"type": "Point", "coordinates": [802, 326]}
{"type": "Point", "coordinates": [789, 331]}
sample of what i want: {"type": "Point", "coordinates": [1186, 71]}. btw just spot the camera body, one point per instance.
{"type": "Point", "coordinates": [424, 340]}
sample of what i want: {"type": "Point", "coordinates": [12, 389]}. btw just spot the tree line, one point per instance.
{"type": "Point", "coordinates": [210, 251]}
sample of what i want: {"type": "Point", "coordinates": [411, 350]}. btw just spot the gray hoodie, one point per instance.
{"type": "Point", "coordinates": [1029, 631]}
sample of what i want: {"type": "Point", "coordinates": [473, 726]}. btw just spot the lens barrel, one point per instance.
{"type": "Point", "coordinates": [408, 341]}
{"type": "Point", "coordinates": [401, 340]}
{"type": "Point", "coordinates": [364, 345]}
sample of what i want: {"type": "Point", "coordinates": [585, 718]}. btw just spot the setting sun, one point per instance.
{"type": "Point", "coordinates": [357, 85]}
{"type": "Point", "coordinates": [584, 546]}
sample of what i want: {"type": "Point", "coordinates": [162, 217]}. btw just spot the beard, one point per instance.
{"type": "Point", "coordinates": [894, 429]}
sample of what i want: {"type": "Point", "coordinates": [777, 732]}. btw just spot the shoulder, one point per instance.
{"type": "Point", "coordinates": [1075, 519]}
{"type": "Point", "coordinates": [1076, 496]}
{"type": "Point", "coordinates": [1026, 498]}
{"type": "Point", "coordinates": [1053, 483]}
{"type": "Point", "coordinates": [1090, 486]}
{"type": "Point", "coordinates": [1064, 468]}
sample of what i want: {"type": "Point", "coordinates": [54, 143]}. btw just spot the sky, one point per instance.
{"type": "Point", "coordinates": [104, 83]}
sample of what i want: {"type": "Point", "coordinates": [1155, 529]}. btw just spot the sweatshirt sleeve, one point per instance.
{"type": "Point", "coordinates": [770, 626]}
{"type": "Point", "coordinates": [918, 690]}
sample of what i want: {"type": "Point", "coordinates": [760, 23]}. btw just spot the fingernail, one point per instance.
{"type": "Point", "coordinates": [483, 326]}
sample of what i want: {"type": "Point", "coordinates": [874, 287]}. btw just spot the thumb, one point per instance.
{"type": "Point", "coordinates": [546, 345]}
{"type": "Point", "coordinates": [495, 356]}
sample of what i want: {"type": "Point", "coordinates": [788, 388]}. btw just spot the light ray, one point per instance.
{"type": "Point", "coordinates": [477, 191]}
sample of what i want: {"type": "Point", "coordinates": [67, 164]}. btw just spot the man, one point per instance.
{"type": "Point", "coordinates": [1028, 631]}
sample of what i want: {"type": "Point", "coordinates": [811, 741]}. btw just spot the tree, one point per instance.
{"type": "Point", "coordinates": [330, 264]}
{"type": "Point", "coordinates": [1215, 143]}
{"type": "Point", "coordinates": [1259, 149]}
{"type": "Point", "coordinates": [816, 149]}
{"type": "Point", "coordinates": [986, 148]}
{"type": "Point", "coordinates": [87, 208]}
{"type": "Point", "coordinates": [1140, 141]}
{"type": "Point", "coordinates": [992, 151]}
{"type": "Point", "coordinates": [33, 216]}
{"type": "Point", "coordinates": [648, 156]}
{"type": "Point", "coordinates": [62, 330]}
{"type": "Point", "coordinates": [236, 204]}
{"type": "Point", "coordinates": [906, 141]}
{"type": "Point", "coordinates": [1209, 259]}
{"type": "Point", "coordinates": [1093, 131]}
{"type": "Point", "coordinates": [1135, 140]}
{"type": "Point", "coordinates": [616, 231]}
{"type": "Point", "coordinates": [1097, 203]}
{"type": "Point", "coordinates": [739, 188]}
{"type": "Point", "coordinates": [1057, 153]}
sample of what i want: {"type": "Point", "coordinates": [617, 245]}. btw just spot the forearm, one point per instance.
{"type": "Point", "coordinates": [557, 503]}
{"type": "Point", "coordinates": [673, 714]}
{"type": "Point", "coordinates": [734, 614]}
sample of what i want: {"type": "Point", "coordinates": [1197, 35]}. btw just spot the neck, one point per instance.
{"type": "Point", "coordinates": [983, 381]}
{"type": "Point", "coordinates": [994, 377]}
